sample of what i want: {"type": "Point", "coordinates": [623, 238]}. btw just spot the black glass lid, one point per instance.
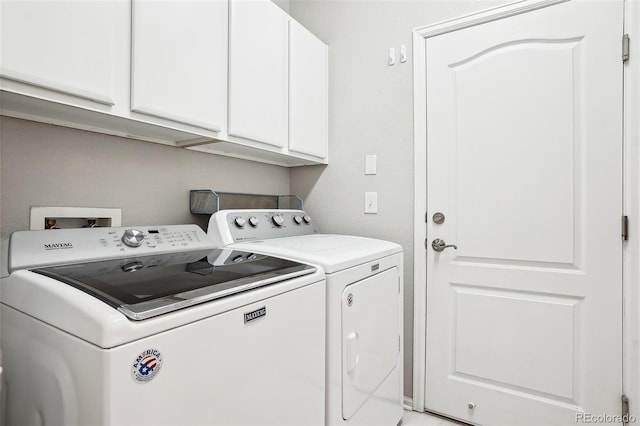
{"type": "Point", "coordinates": [148, 286]}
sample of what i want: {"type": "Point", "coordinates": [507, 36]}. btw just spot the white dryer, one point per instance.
{"type": "Point", "coordinates": [364, 382]}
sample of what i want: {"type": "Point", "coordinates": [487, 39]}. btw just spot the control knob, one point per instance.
{"type": "Point", "coordinates": [277, 220]}
{"type": "Point", "coordinates": [297, 219]}
{"type": "Point", "coordinates": [253, 221]}
{"type": "Point", "coordinates": [306, 219]}
{"type": "Point", "coordinates": [240, 222]}
{"type": "Point", "coordinates": [133, 238]}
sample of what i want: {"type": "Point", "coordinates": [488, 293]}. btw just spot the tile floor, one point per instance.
{"type": "Point", "coordinates": [414, 418]}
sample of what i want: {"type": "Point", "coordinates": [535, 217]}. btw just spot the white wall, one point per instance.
{"type": "Point", "coordinates": [45, 165]}
{"type": "Point", "coordinates": [370, 112]}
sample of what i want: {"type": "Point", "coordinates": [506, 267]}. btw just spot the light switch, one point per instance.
{"type": "Point", "coordinates": [370, 166]}
{"type": "Point", "coordinates": [371, 202]}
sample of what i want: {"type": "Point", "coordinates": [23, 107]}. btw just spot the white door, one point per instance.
{"type": "Point", "coordinates": [524, 159]}
{"type": "Point", "coordinates": [370, 339]}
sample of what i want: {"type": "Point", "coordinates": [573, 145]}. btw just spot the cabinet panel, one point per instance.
{"type": "Point", "coordinates": [258, 80]}
{"type": "Point", "coordinates": [64, 46]}
{"type": "Point", "coordinates": [308, 89]}
{"type": "Point", "coordinates": [179, 65]}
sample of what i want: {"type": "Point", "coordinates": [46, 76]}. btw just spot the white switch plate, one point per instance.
{"type": "Point", "coordinates": [370, 164]}
{"type": "Point", "coordinates": [371, 202]}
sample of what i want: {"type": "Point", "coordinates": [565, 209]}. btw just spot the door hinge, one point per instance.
{"type": "Point", "coordinates": [625, 228]}
{"type": "Point", "coordinates": [426, 217]}
{"type": "Point", "coordinates": [625, 409]}
{"type": "Point", "coordinates": [625, 48]}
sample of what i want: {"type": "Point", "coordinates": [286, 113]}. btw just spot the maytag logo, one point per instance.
{"type": "Point", "coordinates": [254, 315]}
{"type": "Point", "coordinates": [58, 246]}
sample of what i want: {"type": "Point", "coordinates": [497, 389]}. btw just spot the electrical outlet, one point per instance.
{"type": "Point", "coordinates": [371, 202]}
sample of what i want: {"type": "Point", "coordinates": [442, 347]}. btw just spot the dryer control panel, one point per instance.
{"type": "Point", "coordinates": [235, 226]}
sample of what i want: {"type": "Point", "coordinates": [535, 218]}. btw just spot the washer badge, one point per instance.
{"type": "Point", "coordinates": [146, 366]}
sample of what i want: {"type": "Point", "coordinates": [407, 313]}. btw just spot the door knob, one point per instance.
{"type": "Point", "coordinates": [439, 245]}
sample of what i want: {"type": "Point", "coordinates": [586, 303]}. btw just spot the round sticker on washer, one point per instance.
{"type": "Point", "coordinates": [146, 366]}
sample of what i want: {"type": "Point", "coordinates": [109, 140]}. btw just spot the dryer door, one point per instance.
{"type": "Point", "coordinates": [370, 337]}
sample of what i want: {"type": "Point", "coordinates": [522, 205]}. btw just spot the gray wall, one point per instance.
{"type": "Point", "coordinates": [45, 165]}
{"type": "Point", "coordinates": [370, 112]}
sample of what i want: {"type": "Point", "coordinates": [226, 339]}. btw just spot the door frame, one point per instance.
{"type": "Point", "coordinates": [631, 192]}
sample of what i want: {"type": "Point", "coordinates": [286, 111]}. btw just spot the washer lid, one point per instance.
{"type": "Point", "coordinates": [144, 287]}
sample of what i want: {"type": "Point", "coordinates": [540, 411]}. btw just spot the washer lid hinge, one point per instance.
{"type": "Point", "coordinates": [625, 228]}
{"type": "Point", "coordinates": [625, 48]}
{"type": "Point", "coordinates": [625, 409]}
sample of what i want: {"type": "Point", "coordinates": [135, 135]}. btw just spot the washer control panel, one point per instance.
{"type": "Point", "coordinates": [49, 247]}
{"type": "Point", "coordinates": [232, 226]}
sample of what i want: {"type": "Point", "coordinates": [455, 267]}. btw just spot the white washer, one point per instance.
{"type": "Point", "coordinates": [108, 326]}
{"type": "Point", "coordinates": [364, 306]}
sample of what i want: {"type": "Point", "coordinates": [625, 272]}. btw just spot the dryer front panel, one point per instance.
{"type": "Point", "coordinates": [370, 337]}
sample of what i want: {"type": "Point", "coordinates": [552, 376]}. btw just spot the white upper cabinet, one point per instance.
{"type": "Point", "coordinates": [231, 77]}
{"type": "Point", "coordinates": [258, 77]}
{"type": "Point", "coordinates": [67, 47]}
{"type": "Point", "coordinates": [277, 81]}
{"type": "Point", "coordinates": [179, 61]}
{"type": "Point", "coordinates": [308, 90]}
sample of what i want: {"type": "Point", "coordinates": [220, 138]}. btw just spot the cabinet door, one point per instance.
{"type": "Point", "coordinates": [65, 46]}
{"type": "Point", "coordinates": [308, 89]}
{"type": "Point", "coordinates": [258, 80]}
{"type": "Point", "coordinates": [179, 64]}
